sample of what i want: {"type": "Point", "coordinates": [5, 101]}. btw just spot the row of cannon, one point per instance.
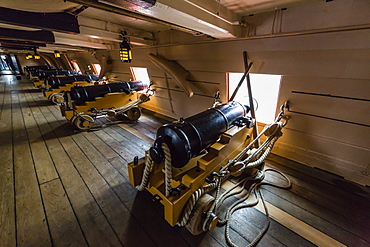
{"type": "Point", "coordinates": [84, 98]}
{"type": "Point", "coordinates": [190, 158]}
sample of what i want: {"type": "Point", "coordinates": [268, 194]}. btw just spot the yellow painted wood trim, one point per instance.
{"type": "Point", "coordinates": [299, 227]}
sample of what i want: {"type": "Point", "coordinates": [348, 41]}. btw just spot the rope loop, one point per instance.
{"type": "Point", "coordinates": [248, 158]}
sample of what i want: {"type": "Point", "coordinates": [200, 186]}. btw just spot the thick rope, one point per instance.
{"type": "Point", "coordinates": [268, 144]}
{"type": "Point", "coordinates": [227, 194]}
{"type": "Point", "coordinates": [147, 170]}
{"type": "Point", "coordinates": [238, 205]}
{"type": "Point", "coordinates": [245, 150]}
{"type": "Point", "coordinates": [259, 161]}
{"type": "Point", "coordinates": [167, 169]}
{"type": "Point", "coordinates": [208, 215]}
{"type": "Point", "coordinates": [266, 148]}
{"type": "Point", "coordinates": [253, 160]}
{"type": "Point", "coordinates": [144, 97]}
{"type": "Point", "coordinates": [191, 202]}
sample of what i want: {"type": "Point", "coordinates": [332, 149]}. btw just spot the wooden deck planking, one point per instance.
{"type": "Point", "coordinates": [145, 129]}
{"type": "Point", "coordinates": [64, 227]}
{"type": "Point", "coordinates": [312, 235]}
{"type": "Point", "coordinates": [121, 165]}
{"type": "Point", "coordinates": [32, 226]}
{"type": "Point", "coordinates": [139, 134]}
{"type": "Point", "coordinates": [98, 226]}
{"type": "Point", "coordinates": [136, 142]}
{"type": "Point", "coordinates": [45, 169]}
{"type": "Point", "coordinates": [89, 201]}
{"type": "Point", "coordinates": [99, 144]}
{"type": "Point", "coordinates": [121, 150]}
{"type": "Point", "coordinates": [342, 222]}
{"type": "Point", "coordinates": [135, 146]}
{"type": "Point", "coordinates": [325, 180]}
{"type": "Point", "coordinates": [347, 206]}
{"type": "Point", "coordinates": [114, 211]}
{"type": "Point", "coordinates": [203, 239]}
{"type": "Point", "coordinates": [93, 223]}
{"type": "Point", "coordinates": [7, 201]}
{"type": "Point", "coordinates": [3, 94]}
{"type": "Point", "coordinates": [314, 218]}
{"type": "Point", "coordinates": [247, 223]}
{"type": "Point", "coordinates": [161, 233]}
{"type": "Point", "coordinates": [345, 213]}
{"type": "Point", "coordinates": [125, 224]}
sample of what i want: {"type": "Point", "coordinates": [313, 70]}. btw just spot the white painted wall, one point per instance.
{"type": "Point", "coordinates": [316, 51]}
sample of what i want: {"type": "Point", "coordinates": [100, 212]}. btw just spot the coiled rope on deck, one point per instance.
{"type": "Point", "coordinates": [239, 204]}
{"type": "Point", "coordinates": [252, 160]}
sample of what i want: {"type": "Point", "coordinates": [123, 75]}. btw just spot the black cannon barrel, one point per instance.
{"type": "Point", "coordinates": [188, 137]}
{"type": "Point", "coordinates": [55, 82]}
{"type": "Point", "coordinates": [39, 72]}
{"type": "Point", "coordinates": [44, 74]}
{"type": "Point", "coordinates": [48, 70]}
{"type": "Point", "coordinates": [37, 67]}
{"type": "Point", "coordinates": [82, 94]}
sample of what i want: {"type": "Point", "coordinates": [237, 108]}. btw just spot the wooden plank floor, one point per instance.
{"type": "Point", "coordinates": [61, 187]}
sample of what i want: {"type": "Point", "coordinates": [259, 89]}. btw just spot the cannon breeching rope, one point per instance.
{"type": "Point", "coordinates": [168, 170]}
{"type": "Point", "coordinates": [253, 160]}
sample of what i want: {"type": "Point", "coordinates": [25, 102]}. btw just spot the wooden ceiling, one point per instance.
{"type": "Point", "coordinates": [102, 21]}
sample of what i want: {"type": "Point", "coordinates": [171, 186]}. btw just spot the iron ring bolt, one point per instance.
{"type": "Point", "coordinates": [211, 178]}
{"type": "Point", "coordinates": [175, 192]}
{"type": "Point", "coordinates": [211, 222]}
{"type": "Point", "coordinates": [286, 118]}
{"type": "Point", "coordinates": [156, 198]}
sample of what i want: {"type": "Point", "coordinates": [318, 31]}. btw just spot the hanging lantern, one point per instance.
{"type": "Point", "coordinates": [35, 54]}
{"type": "Point", "coordinates": [56, 54]}
{"type": "Point", "coordinates": [125, 49]}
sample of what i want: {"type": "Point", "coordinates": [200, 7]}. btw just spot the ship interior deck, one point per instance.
{"type": "Point", "coordinates": [62, 187]}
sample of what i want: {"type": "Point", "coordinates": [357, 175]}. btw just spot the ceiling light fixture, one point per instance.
{"type": "Point", "coordinates": [125, 49]}
{"type": "Point", "coordinates": [36, 55]}
{"type": "Point", "coordinates": [29, 56]}
{"type": "Point", "coordinates": [56, 54]}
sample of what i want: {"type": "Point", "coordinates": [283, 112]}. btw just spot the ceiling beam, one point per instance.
{"type": "Point", "coordinates": [41, 36]}
{"type": "Point", "coordinates": [197, 15]}
{"type": "Point", "coordinates": [21, 43]}
{"type": "Point", "coordinates": [79, 43]}
{"type": "Point", "coordinates": [110, 31]}
{"type": "Point", "coordinates": [18, 47]}
{"type": "Point", "coordinates": [183, 15]}
{"type": "Point", "coordinates": [131, 13]}
{"type": "Point", "coordinates": [112, 36]}
{"type": "Point", "coordinates": [50, 48]}
{"type": "Point", "coordinates": [61, 22]}
{"type": "Point", "coordinates": [130, 4]}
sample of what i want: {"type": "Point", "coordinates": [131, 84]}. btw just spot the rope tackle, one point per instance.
{"type": "Point", "coordinates": [193, 183]}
